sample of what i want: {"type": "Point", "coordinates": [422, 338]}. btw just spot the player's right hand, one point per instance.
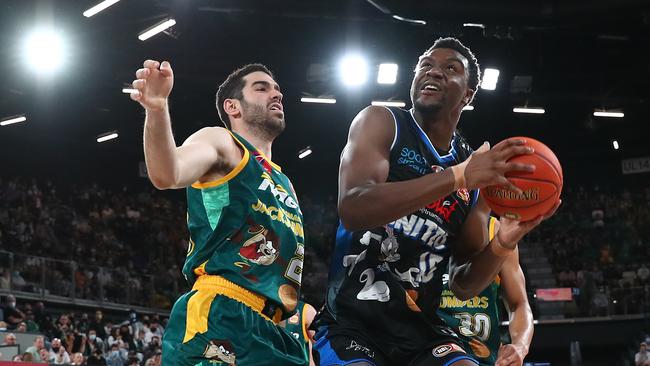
{"type": "Point", "coordinates": [153, 85]}
{"type": "Point", "coordinates": [486, 167]}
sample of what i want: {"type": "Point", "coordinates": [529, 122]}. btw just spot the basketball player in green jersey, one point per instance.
{"type": "Point", "coordinates": [298, 326]}
{"type": "Point", "coordinates": [476, 320]}
{"type": "Point", "coordinates": [246, 245]}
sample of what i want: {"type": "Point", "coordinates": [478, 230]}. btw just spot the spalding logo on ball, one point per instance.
{"type": "Point", "coordinates": [540, 189]}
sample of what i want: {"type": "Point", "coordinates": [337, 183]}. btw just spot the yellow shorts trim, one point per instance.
{"type": "Point", "coordinates": [207, 288]}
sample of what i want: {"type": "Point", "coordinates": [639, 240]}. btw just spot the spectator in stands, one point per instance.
{"type": "Point", "coordinates": [35, 349]}
{"type": "Point", "coordinates": [96, 359]}
{"type": "Point", "coordinates": [5, 279]}
{"type": "Point", "coordinates": [27, 357]}
{"type": "Point", "coordinates": [139, 342]}
{"type": "Point", "coordinates": [3, 325]}
{"type": "Point", "coordinates": [93, 343]}
{"type": "Point", "coordinates": [12, 316]}
{"type": "Point", "coordinates": [642, 358]}
{"type": "Point", "coordinates": [155, 359]}
{"type": "Point", "coordinates": [44, 355]}
{"type": "Point", "coordinates": [17, 358]}
{"type": "Point", "coordinates": [22, 327]}
{"type": "Point", "coordinates": [98, 323]}
{"type": "Point", "coordinates": [116, 357]}
{"type": "Point", "coordinates": [133, 362]}
{"type": "Point", "coordinates": [78, 359]}
{"type": "Point", "coordinates": [152, 348]}
{"type": "Point", "coordinates": [59, 353]}
{"type": "Point", "coordinates": [32, 326]}
{"type": "Point", "coordinates": [10, 340]}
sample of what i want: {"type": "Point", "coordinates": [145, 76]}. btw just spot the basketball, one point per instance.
{"type": "Point", "coordinates": [541, 188]}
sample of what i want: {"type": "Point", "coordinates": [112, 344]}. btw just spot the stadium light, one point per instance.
{"type": "Point", "coordinates": [44, 51]}
{"type": "Point", "coordinates": [12, 120]}
{"type": "Point", "coordinates": [528, 110]}
{"type": "Point", "coordinates": [353, 70]}
{"type": "Point", "coordinates": [389, 103]}
{"type": "Point", "coordinates": [615, 144]}
{"type": "Point", "coordinates": [99, 7]}
{"type": "Point", "coordinates": [490, 78]}
{"type": "Point", "coordinates": [129, 90]}
{"type": "Point", "coordinates": [610, 114]}
{"type": "Point", "coordinates": [468, 108]}
{"type": "Point", "coordinates": [107, 136]}
{"type": "Point", "coordinates": [387, 74]}
{"type": "Point", "coordinates": [474, 25]}
{"type": "Point", "coordinates": [318, 100]}
{"type": "Point", "coordinates": [304, 152]}
{"type": "Point", "coordinates": [156, 29]}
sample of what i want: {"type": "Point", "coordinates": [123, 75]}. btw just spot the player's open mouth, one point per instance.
{"type": "Point", "coordinates": [430, 87]}
{"type": "Point", "coordinates": [276, 107]}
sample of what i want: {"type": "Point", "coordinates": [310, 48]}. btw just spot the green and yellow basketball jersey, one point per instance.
{"type": "Point", "coordinates": [296, 326]}
{"type": "Point", "coordinates": [248, 228]}
{"type": "Point", "coordinates": [476, 321]}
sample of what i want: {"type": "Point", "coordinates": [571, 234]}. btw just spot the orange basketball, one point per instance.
{"type": "Point", "coordinates": [541, 188]}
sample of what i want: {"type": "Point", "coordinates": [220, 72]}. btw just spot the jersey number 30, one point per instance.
{"type": "Point", "coordinates": [477, 325]}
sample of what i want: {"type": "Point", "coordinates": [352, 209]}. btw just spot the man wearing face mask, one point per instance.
{"type": "Point", "coordinates": [12, 316]}
{"type": "Point", "coordinates": [93, 343]}
{"type": "Point", "coordinates": [59, 353]}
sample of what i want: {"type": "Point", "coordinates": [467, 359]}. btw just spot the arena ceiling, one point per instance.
{"type": "Point", "coordinates": [581, 55]}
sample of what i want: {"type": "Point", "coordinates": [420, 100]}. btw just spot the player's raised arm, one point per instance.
{"type": "Point", "coordinates": [169, 166]}
{"type": "Point", "coordinates": [513, 285]}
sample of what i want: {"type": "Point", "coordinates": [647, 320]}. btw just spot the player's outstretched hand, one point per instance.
{"type": "Point", "coordinates": [510, 355]}
{"type": "Point", "coordinates": [153, 84]}
{"type": "Point", "coordinates": [511, 231]}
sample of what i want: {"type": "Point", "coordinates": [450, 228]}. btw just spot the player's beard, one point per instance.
{"type": "Point", "coordinates": [426, 109]}
{"type": "Point", "coordinates": [259, 119]}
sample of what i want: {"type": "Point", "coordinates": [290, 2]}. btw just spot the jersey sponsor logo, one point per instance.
{"type": "Point", "coordinates": [290, 220]}
{"type": "Point", "coordinates": [445, 349]}
{"type": "Point", "coordinates": [443, 208]}
{"type": "Point", "coordinates": [414, 160]}
{"type": "Point", "coordinates": [220, 351]}
{"type": "Point", "coordinates": [279, 192]}
{"type": "Point", "coordinates": [360, 348]}
{"type": "Point", "coordinates": [425, 230]}
{"type": "Point", "coordinates": [262, 247]}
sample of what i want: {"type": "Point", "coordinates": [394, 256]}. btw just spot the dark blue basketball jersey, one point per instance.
{"type": "Point", "coordinates": [386, 282]}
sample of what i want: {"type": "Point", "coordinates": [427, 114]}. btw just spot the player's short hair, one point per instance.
{"type": "Point", "coordinates": [233, 86]}
{"type": "Point", "coordinates": [452, 43]}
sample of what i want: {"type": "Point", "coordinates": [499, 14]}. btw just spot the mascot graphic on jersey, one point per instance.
{"type": "Point", "coordinates": [259, 245]}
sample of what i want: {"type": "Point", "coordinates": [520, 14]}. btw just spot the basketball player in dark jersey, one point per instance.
{"type": "Point", "coordinates": [409, 206]}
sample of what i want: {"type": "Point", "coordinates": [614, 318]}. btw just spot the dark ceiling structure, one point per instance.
{"type": "Point", "coordinates": [569, 57]}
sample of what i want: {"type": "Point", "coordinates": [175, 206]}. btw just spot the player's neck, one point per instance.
{"type": "Point", "coordinates": [439, 127]}
{"type": "Point", "coordinates": [261, 143]}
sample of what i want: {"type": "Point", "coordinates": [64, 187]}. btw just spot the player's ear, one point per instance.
{"type": "Point", "coordinates": [232, 107]}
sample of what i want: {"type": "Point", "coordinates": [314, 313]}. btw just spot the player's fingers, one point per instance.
{"type": "Point", "coordinates": [142, 73]}
{"type": "Point", "coordinates": [152, 64]}
{"type": "Point", "coordinates": [508, 184]}
{"type": "Point", "coordinates": [166, 69]}
{"type": "Point", "coordinates": [508, 143]}
{"type": "Point", "coordinates": [136, 95]}
{"type": "Point", "coordinates": [518, 167]}
{"type": "Point", "coordinates": [511, 151]}
{"type": "Point", "coordinates": [139, 84]}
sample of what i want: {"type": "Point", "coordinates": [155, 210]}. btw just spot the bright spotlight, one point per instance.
{"type": "Point", "coordinates": [354, 70]}
{"type": "Point", "coordinates": [387, 74]}
{"type": "Point", "coordinates": [107, 136]}
{"type": "Point", "coordinates": [162, 26]}
{"type": "Point", "coordinates": [490, 78]}
{"type": "Point", "coordinates": [304, 152]}
{"type": "Point", "coordinates": [44, 51]}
